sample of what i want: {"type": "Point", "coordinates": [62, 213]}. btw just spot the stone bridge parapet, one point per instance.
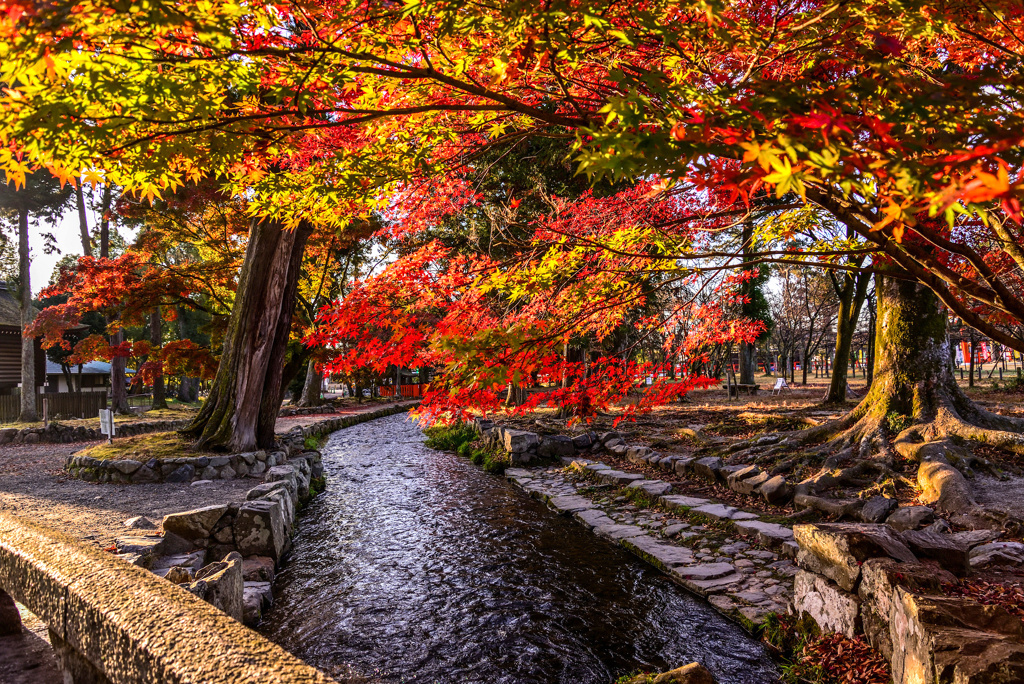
{"type": "Point", "coordinates": [110, 621]}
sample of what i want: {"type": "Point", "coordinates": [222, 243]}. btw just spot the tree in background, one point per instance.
{"type": "Point", "coordinates": [42, 197]}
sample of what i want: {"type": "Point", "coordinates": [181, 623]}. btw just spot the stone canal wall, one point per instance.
{"type": "Point", "coordinates": [112, 622]}
{"type": "Point", "coordinates": [891, 586]}
{"type": "Point", "coordinates": [226, 467]}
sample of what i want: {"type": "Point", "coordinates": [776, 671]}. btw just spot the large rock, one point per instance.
{"type": "Point", "coordinates": [835, 610]}
{"type": "Point", "coordinates": [877, 509]}
{"type": "Point", "coordinates": [836, 550]}
{"type": "Point", "coordinates": [287, 475]}
{"type": "Point", "coordinates": [708, 468]}
{"type": "Point", "coordinates": [776, 490]}
{"type": "Point", "coordinates": [997, 553]}
{"type": "Point", "coordinates": [260, 529]}
{"type": "Point", "coordinates": [554, 446]}
{"type": "Point", "coordinates": [518, 441]}
{"type": "Point", "coordinates": [183, 473]}
{"type": "Point", "coordinates": [220, 585]}
{"type": "Point", "coordinates": [879, 579]}
{"type": "Point", "coordinates": [910, 517]}
{"type": "Point", "coordinates": [195, 524]}
{"type": "Point", "coordinates": [954, 640]}
{"type": "Point", "coordinates": [950, 554]}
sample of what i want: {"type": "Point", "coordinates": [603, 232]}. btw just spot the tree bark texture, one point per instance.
{"type": "Point", "coordinates": [241, 410]}
{"type": "Point", "coordinates": [28, 348]}
{"type": "Point", "coordinates": [156, 339]}
{"type": "Point", "coordinates": [83, 222]}
{"type": "Point", "coordinates": [851, 299]}
{"type": "Point", "coordinates": [311, 388]}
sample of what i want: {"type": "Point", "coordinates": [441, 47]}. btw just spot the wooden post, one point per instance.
{"type": "Point", "coordinates": [46, 411]}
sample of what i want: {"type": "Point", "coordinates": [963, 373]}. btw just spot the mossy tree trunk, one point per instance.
{"type": "Point", "coordinates": [311, 388]}
{"type": "Point", "coordinates": [241, 410]}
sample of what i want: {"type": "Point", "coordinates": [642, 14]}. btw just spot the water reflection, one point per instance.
{"type": "Point", "coordinates": [416, 566]}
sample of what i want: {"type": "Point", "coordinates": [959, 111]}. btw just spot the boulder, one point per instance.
{"type": "Point", "coordinates": [776, 490]}
{"type": "Point", "coordinates": [878, 508]}
{"type": "Point", "coordinates": [256, 596]}
{"type": "Point", "coordinates": [836, 550]}
{"type": "Point", "coordinates": [259, 491]}
{"type": "Point", "coordinates": [285, 474]}
{"type": "Point", "coordinates": [708, 467]}
{"type": "Point", "coordinates": [950, 554]}
{"type": "Point", "coordinates": [195, 524]}
{"type": "Point", "coordinates": [145, 474]}
{"type": "Point", "coordinates": [997, 553]}
{"type": "Point", "coordinates": [260, 529]}
{"type": "Point", "coordinates": [835, 610]}
{"type": "Point", "coordinates": [952, 639]}
{"type": "Point", "coordinates": [220, 585]}
{"type": "Point", "coordinates": [555, 446]}
{"type": "Point", "coordinates": [683, 465]}
{"type": "Point", "coordinates": [583, 441]}
{"type": "Point", "coordinates": [910, 517]}
{"type": "Point", "coordinates": [10, 616]}
{"type": "Point", "coordinates": [519, 441]}
{"type": "Point", "coordinates": [178, 575]}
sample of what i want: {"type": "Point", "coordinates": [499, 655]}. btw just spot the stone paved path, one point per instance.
{"type": "Point", "coordinates": [740, 563]}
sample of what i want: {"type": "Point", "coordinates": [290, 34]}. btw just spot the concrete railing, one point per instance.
{"type": "Point", "coordinates": [114, 622]}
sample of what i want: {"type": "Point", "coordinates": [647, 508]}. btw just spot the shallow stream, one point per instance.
{"type": "Point", "coordinates": [416, 566]}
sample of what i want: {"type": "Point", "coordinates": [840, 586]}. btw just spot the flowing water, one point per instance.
{"type": "Point", "coordinates": [416, 566]}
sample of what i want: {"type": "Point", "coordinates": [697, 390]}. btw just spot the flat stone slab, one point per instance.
{"type": "Point", "coordinates": [652, 487]}
{"type": "Point", "coordinates": [593, 517]}
{"type": "Point", "coordinates": [712, 585]}
{"type": "Point", "coordinates": [571, 503]}
{"type": "Point", "coordinates": [618, 477]}
{"type": "Point", "coordinates": [769, 534]}
{"type": "Point", "coordinates": [665, 555]}
{"type": "Point", "coordinates": [674, 501]}
{"type": "Point", "coordinates": [595, 467]}
{"type": "Point", "coordinates": [705, 571]}
{"type": "Point", "coordinates": [518, 473]}
{"type": "Point", "coordinates": [619, 531]}
{"type": "Point", "coordinates": [717, 511]}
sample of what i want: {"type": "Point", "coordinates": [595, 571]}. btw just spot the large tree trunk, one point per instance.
{"type": "Point", "coordinates": [118, 379]}
{"type": "Point", "coordinates": [311, 389]}
{"type": "Point", "coordinates": [28, 347]}
{"type": "Point", "coordinates": [851, 299]}
{"type": "Point", "coordinates": [156, 339]}
{"type": "Point", "coordinates": [241, 410]}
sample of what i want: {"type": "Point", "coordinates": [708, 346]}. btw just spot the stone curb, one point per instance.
{"type": "Point", "coordinates": [226, 467]}
{"type": "Point", "coordinates": [64, 434]}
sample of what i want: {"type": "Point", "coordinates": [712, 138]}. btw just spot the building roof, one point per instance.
{"type": "Point", "coordinates": [91, 368]}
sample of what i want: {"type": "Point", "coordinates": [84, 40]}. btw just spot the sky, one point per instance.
{"type": "Point", "coordinates": [69, 241]}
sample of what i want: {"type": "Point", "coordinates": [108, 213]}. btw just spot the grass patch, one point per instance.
{"type": "Point", "coordinates": [158, 445]}
{"type": "Point", "coordinates": [449, 437]}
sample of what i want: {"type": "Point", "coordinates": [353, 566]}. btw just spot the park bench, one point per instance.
{"type": "Point", "coordinates": [734, 388]}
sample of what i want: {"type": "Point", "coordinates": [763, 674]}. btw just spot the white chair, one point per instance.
{"type": "Point", "coordinates": [780, 384]}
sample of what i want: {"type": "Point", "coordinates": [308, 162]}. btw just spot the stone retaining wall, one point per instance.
{"type": "Point", "coordinates": [887, 585]}
{"type": "Point", "coordinates": [56, 433]}
{"type": "Point", "coordinates": [112, 622]}
{"type": "Point", "coordinates": [226, 467]}
{"type": "Point", "coordinates": [749, 480]}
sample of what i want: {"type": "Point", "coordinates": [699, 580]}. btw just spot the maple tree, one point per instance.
{"type": "Point", "coordinates": [899, 119]}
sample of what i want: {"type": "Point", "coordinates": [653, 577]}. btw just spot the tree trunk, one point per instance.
{"type": "Point", "coordinates": [311, 390]}
{"type": "Point", "coordinates": [118, 378]}
{"type": "Point", "coordinates": [156, 339]}
{"type": "Point", "coordinates": [851, 299]}
{"type": "Point", "coordinates": [28, 347]}
{"type": "Point", "coordinates": [83, 222]}
{"type": "Point", "coordinates": [241, 410]}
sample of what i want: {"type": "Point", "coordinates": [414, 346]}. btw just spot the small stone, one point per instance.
{"type": "Point", "coordinates": [227, 473]}
{"type": "Point", "coordinates": [182, 473]}
{"type": "Point", "coordinates": [705, 571]}
{"type": "Point", "coordinates": [776, 490]}
{"type": "Point", "coordinates": [674, 529]}
{"type": "Point", "coordinates": [201, 483]}
{"type": "Point", "coordinates": [178, 575]}
{"type": "Point", "coordinates": [140, 522]}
